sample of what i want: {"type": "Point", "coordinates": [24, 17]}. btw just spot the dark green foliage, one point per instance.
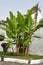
{"type": "Point", "coordinates": [2, 37]}
{"type": "Point", "coordinates": [39, 25]}
{"type": "Point", "coordinates": [37, 36]}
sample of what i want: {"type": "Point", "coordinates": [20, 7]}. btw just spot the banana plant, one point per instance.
{"type": "Point", "coordinates": [11, 27]}
{"type": "Point", "coordinates": [29, 27]}
{"type": "Point", "coordinates": [26, 26]}
{"type": "Point", "coordinates": [20, 29]}
{"type": "Point", "coordinates": [21, 26]}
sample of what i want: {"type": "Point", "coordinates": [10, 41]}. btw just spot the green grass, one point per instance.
{"type": "Point", "coordinates": [28, 57]}
{"type": "Point", "coordinates": [20, 56]}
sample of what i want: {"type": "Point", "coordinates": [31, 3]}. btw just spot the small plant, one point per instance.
{"type": "Point", "coordinates": [1, 37]}
{"type": "Point", "coordinates": [4, 47]}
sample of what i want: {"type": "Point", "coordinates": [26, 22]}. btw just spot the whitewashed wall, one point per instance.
{"type": "Point", "coordinates": [2, 32]}
{"type": "Point", "coordinates": [1, 49]}
{"type": "Point", "coordinates": [36, 47]}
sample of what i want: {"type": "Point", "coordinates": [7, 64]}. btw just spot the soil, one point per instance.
{"type": "Point", "coordinates": [13, 63]}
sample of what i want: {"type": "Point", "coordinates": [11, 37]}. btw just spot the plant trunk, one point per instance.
{"type": "Point", "coordinates": [23, 50]}
{"type": "Point", "coordinates": [27, 51]}
{"type": "Point", "coordinates": [17, 49]}
{"type": "Point", "coordinates": [5, 49]}
{"type": "Point", "coordinates": [12, 51]}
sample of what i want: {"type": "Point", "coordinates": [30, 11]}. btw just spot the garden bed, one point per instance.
{"type": "Point", "coordinates": [20, 56]}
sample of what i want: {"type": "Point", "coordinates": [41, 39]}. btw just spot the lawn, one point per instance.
{"type": "Point", "coordinates": [20, 56]}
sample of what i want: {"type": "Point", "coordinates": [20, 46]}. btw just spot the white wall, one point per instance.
{"type": "Point", "coordinates": [1, 49]}
{"type": "Point", "coordinates": [36, 47]}
{"type": "Point", "coordinates": [39, 17]}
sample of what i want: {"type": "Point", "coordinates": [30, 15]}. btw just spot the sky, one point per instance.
{"type": "Point", "coordinates": [17, 5]}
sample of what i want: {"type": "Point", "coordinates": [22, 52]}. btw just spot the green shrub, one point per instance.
{"type": "Point", "coordinates": [1, 37]}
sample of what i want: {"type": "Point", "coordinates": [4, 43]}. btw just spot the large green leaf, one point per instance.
{"type": "Point", "coordinates": [20, 18]}
{"type": "Point", "coordinates": [8, 31]}
{"type": "Point", "coordinates": [26, 42]}
{"type": "Point", "coordinates": [13, 20]}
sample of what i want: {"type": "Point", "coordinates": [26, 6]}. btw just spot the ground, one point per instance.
{"type": "Point", "coordinates": [12, 63]}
